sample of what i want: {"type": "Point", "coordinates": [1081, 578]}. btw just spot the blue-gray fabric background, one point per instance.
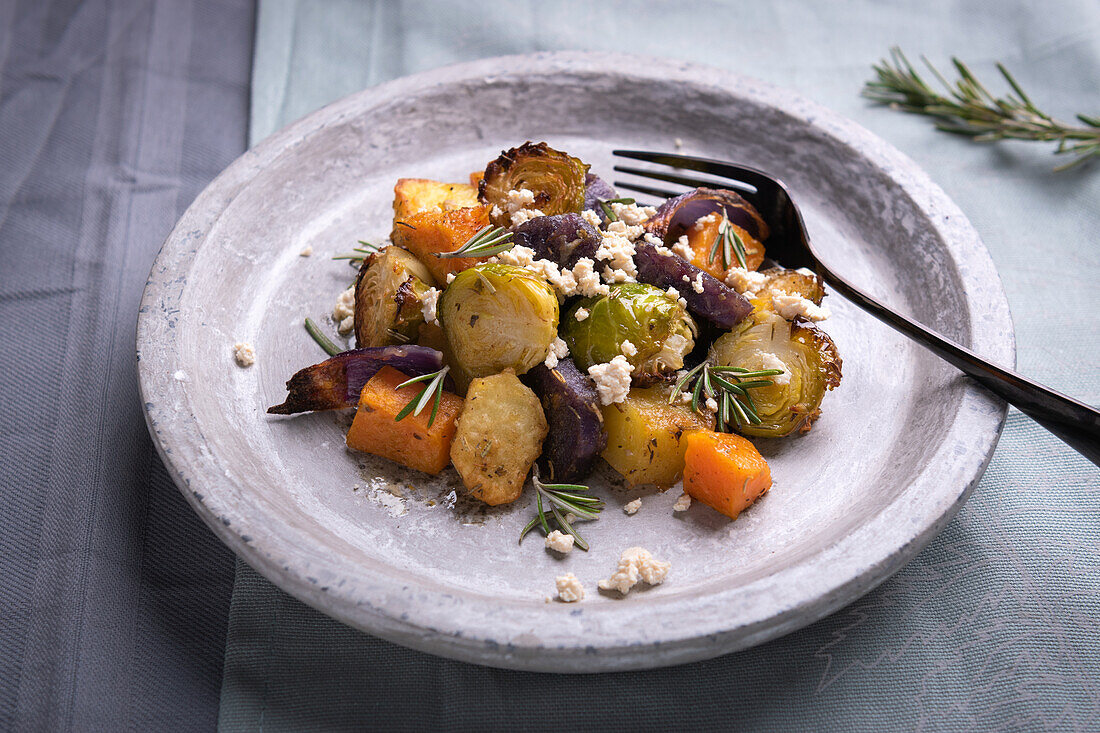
{"type": "Point", "coordinates": [994, 626]}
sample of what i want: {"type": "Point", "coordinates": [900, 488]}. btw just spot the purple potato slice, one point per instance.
{"type": "Point", "coordinates": [572, 406]}
{"type": "Point", "coordinates": [718, 303]}
{"type": "Point", "coordinates": [562, 238]}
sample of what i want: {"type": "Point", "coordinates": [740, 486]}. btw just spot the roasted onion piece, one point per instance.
{"type": "Point", "coordinates": [388, 296]}
{"type": "Point", "coordinates": [807, 357]}
{"type": "Point", "coordinates": [659, 330]}
{"type": "Point", "coordinates": [685, 215]}
{"type": "Point", "coordinates": [556, 179]}
{"type": "Point", "coordinates": [497, 317]}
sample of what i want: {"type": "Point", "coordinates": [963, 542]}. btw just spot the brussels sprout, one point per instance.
{"type": "Point", "coordinates": [655, 324]}
{"type": "Point", "coordinates": [556, 179]}
{"type": "Point", "coordinates": [388, 292]}
{"type": "Point", "coordinates": [806, 355]}
{"type": "Point", "coordinates": [497, 317]}
{"type": "Point", "coordinates": [794, 282]}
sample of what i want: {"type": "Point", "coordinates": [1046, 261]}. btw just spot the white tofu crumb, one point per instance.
{"type": "Point", "coordinates": [618, 252]}
{"type": "Point", "coordinates": [635, 563]}
{"type": "Point", "coordinates": [243, 353]}
{"type": "Point", "coordinates": [344, 311]}
{"type": "Point", "coordinates": [428, 306]}
{"type": "Point", "coordinates": [612, 379]}
{"type": "Point", "coordinates": [631, 214]}
{"type": "Point", "coordinates": [674, 293]}
{"type": "Point", "coordinates": [451, 277]}
{"type": "Point", "coordinates": [629, 349]}
{"type": "Point", "coordinates": [682, 248]}
{"type": "Point", "coordinates": [307, 251]}
{"type": "Point", "coordinates": [632, 507]}
{"type": "Point", "coordinates": [592, 218]}
{"type": "Point", "coordinates": [711, 404]}
{"type": "Point", "coordinates": [685, 278]}
{"type": "Point", "coordinates": [570, 589]}
{"type": "Point", "coordinates": [516, 200]}
{"type": "Point", "coordinates": [558, 351]}
{"type": "Point", "coordinates": [697, 283]}
{"type": "Point", "coordinates": [588, 280]}
{"type": "Point", "coordinates": [525, 215]}
{"type": "Point", "coordinates": [559, 542]}
{"type": "Point", "coordinates": [180, 376]}
{"type": "Point", "coordinates": [705, 221]}
{"type": "Point", "coordinates": [581, 314]}
{"type": "Point", "coordinates": [682, 504]}
{"type": "Point", "coordinates": [795, 306]}
{"type": "Point", "coordinates": [746, 282]}
{"type": "Point", "coordinates": [771, 361]}
{"type": "Point", "coordinates": [686, 397]}
{"type": "Point", "coordinates": [678, 143]}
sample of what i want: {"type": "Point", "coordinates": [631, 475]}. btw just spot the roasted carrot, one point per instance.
{"type": "Point", "coordinates": [724, 471]}
{"type": "Point", "coordinates": [431, 232]}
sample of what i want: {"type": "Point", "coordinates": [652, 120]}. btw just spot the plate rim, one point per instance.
{"type": "Point", "coordinates": [993, 336]}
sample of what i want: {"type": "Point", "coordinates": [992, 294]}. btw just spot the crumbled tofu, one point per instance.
{"type": "Point", "coordinates": [428, 306]}
{"type": "Point", "coordinates": [618, 252]}
{"type": "Point", "coordinates": [581, 314]}
{"type": "Point", "coordinates": [558, 351]}
{"type": "Point", "coordinates": [570, 589]}
{"type": "Point", "coordinates": [525, 215]}
{"type": "Point", "coordinates": [516, 200]}
{"type": "Point", "coordinates": [711, 404]}
{"type": "Point", "coordinates": [678, 143]}
{"type": "Point", "coordinates": [451, 277]}
{"type": "Point", "coordinates": [705, 221]}
{"type": "Point", "coordinates": [697, 283]}
{"type": "Point", "coordinates": [746, 282]}
{"type": "Point", "coordinates": [244, 354]}
{"type": "Point", "coordinates": [682, 504]}
{"type": "Point", "coordinates": [592, 218]}
{"type": "Point", "coordinates": [520, 256]}
{"type": "Point", "coordinates": [612, 379]}
{"type": "Point", "coordinates": [344, 312]}
{"type": "Point", "coordinates": [632, 214]}
{"type": "Point", "coordinates": [588, 281]}
{"type": "Point", "coordinates": [307, 251]}
{"type": "Point", "coordinates": [795, 306]}
{"type": "Point", "coordinates": [674, 293]}
{"type": "Point", "coordinates": [559, 542]}
{"type": "Point", "coordinates": [635, 563]}
{"type": "Point", "coordinates": [624, 230]}
{"type": "Point", "coordinates": [771, 361]}
{"type": "Point", "coordinates": [686, 397]}
{"type": "Point", "coordinates": [632, 507]}
{"type": "Point", "coordinates": [682, 248]}
{"type": "Point", "coordinates": [629, 349]}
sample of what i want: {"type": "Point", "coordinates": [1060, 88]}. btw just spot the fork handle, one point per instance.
{"type": "Point", "coordinates": [1074, 422]}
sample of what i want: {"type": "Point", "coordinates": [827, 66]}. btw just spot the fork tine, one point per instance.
{"type": "Point", "coordinates": [744, 174]}
{"type": "Point", "coordinates": [686, 180]}
{"type": "Point", "coordinates": [660, 192]}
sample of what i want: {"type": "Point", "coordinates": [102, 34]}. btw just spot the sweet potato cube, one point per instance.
{"type": "Point", "coordinates": [701, 240]}
{"type": "Point", "coordinates": [414, 195]}
{"type": "Point", "coordinates": [410, 441]}
{"type": "Point", "coordinates": [431, 232]}
{"type": "Point", "coordinates": [724, 471]}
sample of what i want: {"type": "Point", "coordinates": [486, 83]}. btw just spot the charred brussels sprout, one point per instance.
{"type": "Point", "coordinates": [658, 328]}
{"type": "Point", "coordinates": [807, 357]}
{"type": "Point", "coordinates": [497, 317]}
{"type": "Point", "coordinates": [556, 179]}
{"type": "Point", "coordinates": [388, 292]}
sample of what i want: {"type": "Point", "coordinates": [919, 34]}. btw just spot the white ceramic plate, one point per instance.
{"type": "Point", "coordinates": [901, 443]}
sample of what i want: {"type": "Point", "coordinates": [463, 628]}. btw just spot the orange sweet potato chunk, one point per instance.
{"type": "Point", "coordinates": [701, 240]}
{"type": "Point", "coordinates": [724, 471]}
{"type": "Point", "coordinates": [410, 442]}
{"type": "Point", "coordinates": [430, 232]}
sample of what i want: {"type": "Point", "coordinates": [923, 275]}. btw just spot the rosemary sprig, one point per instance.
{"type": "Point", "coordinates": [358, 254]}
{"type": "Point", "coordinates": [728, 387]}
{"type": "Point", "coordinates": [608, 211]}
{"type": "Point", "coordinates": [563, 499]}
{"type": "Point", "coordinates": [433, 392]}
{"type": "Point", "coordinates": [489, 240]}
{"type": "Point", "coordinates": [730, 244]}
{"type": "Point", "coordinates": [322, 340]}
{"type": "Point", "coordinates": [970, 109]}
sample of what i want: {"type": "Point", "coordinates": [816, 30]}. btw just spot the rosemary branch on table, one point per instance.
{"type": "Point", "coordinates": [970, 109]}
{"type": "Point", "coordinates": [322, 340]}
{"type": "Point", "coordinates": [488, 240]}
{"type": "Point", "coordinates": [729, 242]}
{"type": "Point", "coordinates": [729, 387]}
{"type": "Point", "coordinates": [563, 499]}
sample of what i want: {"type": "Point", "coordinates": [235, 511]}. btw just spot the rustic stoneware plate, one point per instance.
{"type": "Point", "coordinates": [405, 556]}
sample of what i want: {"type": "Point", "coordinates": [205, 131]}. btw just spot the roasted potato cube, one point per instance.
{"type": "Point", "coordinates": [645, 436]}
{"type": "Point", "coordinates": [414, 195]}
{"type": "Point", "coordinates": [499, 436]}
{"type": "Point", "coordinates": [430, 232]}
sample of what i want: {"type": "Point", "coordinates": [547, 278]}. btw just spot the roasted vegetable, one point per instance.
{"type": "Point", "coordinates": [658, 328]}
{"type": "Point", "coordinates": [572, 408]}
{"type": "Point", "coordinates": [497, 317]}
{"type": "Point", "coordinates": [805, 353]}
{"type": "Point", "coordinates": [387, 298]}
{"type": "Point", "coordinates": [721, 305]}
{"type": "Point", "coordinates": [562, 238]}
{"type": "Point", "coordinates": [724, 471]}
{"type": "Point", "coordinates": [410, 441]}
{"type": "Point", "coordinates": [556, 179]}
{"type": "Point", "coordinates": [645, 436]}
{"type": "Point", "coordinates": [337, 382]}
{"type": "Point", "coordinates": [414, 195]}
{"type": "Point", "coordinates": [597, 189]}
{"type": "Point", "coordinates": [432, 232]}
{"type": "Point", "coordinates": [717, 256]}
{"type": "Point", "coordinates": [499, 436]}
{"type": "Point", "coordinates": [794, 282]}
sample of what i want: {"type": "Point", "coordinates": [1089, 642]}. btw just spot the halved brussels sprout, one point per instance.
{"type": "Point", "coordinates": [556, 179]}
{"type": "Point", "coordinates": [497, 317]}
{"type": "Point", "coordinates": [807, 357]}
{"type": "Point", "coordinates": [388, 292]}
{"type": "Point", "coordinates": [794, 282]}
{"type": "Point", "coordinates": [658, 328]}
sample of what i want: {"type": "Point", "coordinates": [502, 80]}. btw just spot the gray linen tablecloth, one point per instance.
{"type": "Point", "coordinates": [994, 626]}
{"type": "Point", "coordinates": [113, 596]}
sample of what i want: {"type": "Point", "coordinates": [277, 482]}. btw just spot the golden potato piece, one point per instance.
{"type": "Point", "coordinates": [499, 436]}
{"type": "Point", "coordinates": [415, 195]}
{"type": "Point", "coordinates": [644, 436]}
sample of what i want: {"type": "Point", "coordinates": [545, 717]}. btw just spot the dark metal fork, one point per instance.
{"type": "Point", "coordinates": [1074, 422]}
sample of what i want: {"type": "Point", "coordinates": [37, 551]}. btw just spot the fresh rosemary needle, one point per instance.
{"type": "Point", "coordinates": [322, 340]}
{"type": "Point", "coordinates": [729, 387]}
{"type": "Point", "coordinates": [359, 254]}
{"type": "Point", "coordinates": [563, 499]}
{"type": "Point", "coordinates": [608, 211]}
{"type": "Point", "coordinates": [728, 243]}
{"type": "Point", "coordinates": [433, 392]}
{"type": "Point", "coordinates": [489, 240]}
{"type": "Point", "coordinates": [970, 109]}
